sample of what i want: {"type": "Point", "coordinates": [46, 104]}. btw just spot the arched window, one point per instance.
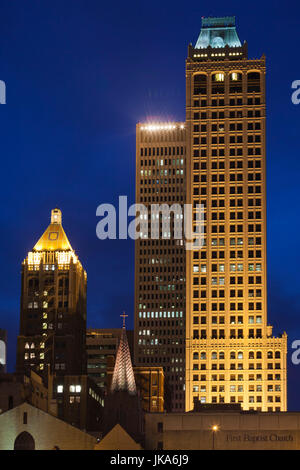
{"type": "Point", "coordinates": [200, 84]}
{"type": "Point", "coordinates": [235, 76]}
{"type": "Point", "coordinates": [253, 82]}
{"type": "Point", "coordinates": [253, 76]}
{"type": "Point", "coordinates": [24, 441]}
{"type": "Point", "coordinates": [235, 84]}
{"type": "Point", "coordinates": [218, 77]}
{"type": "Point", "coordinates": [195, 356]}
{"type": "Point", "coordinates": [218, 80]}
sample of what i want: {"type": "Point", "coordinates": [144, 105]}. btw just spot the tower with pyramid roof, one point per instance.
{"type": "Point", "coordinates": [53, 306]}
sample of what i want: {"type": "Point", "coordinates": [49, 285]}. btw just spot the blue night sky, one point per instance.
{"type": "Point", "coordinates": [79, 75]}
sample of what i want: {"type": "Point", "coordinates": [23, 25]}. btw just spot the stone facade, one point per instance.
{"type": "Point", "coordinates": [233, 431]}
{"type": "Point", "coordinates": [40, 428]}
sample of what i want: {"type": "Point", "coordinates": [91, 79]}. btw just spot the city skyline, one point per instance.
{"type": "Point", "coordinates": [96, 250]}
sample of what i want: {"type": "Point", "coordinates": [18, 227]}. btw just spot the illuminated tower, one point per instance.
{"type": "Point", "coordinates": [53, 306]}
{"type": "Point", "coordinates": [122, 403]}
{"type": "Point", "coordinates": [123, 376]}
{"type": "Point", "coordinates": [231, 355]}
{"type": "Point", "coordinates": [160, 261]}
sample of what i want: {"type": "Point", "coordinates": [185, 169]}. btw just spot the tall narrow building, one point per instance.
{"type": "Point", "coordinates": [160, 260]}
{"type": "Point", "coordinates": [231, 354]}
{"type": "Point", "coordinates": [53, 306]}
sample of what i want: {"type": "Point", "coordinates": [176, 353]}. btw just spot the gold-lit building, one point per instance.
{"type": "Point", "coordinates": [231, 354]}
{"type": "Point", "coordinates": [160, 260]}
{"type": "Point", "coordinates": [150, 385]}
{"type": "Point", "coordinates": [53, 306]}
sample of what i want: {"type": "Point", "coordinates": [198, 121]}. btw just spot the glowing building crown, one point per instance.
{"type": "Point", "coordinates": [218, 33]}
{"type": "Point", "coordinates": [54, 237]}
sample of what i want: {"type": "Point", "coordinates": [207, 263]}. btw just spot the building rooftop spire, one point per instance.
{"type": "Point", "coordinates": [123, 376]}
{"type": "Point", "coordinates": [218, 33]}
{"type": "Point", "coordinates": [54, 237]}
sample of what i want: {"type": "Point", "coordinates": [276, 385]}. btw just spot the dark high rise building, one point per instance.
{"type": "Point", "coordinates": [53, 306]}
{"type": "Point", "coordinates": [160, 261]}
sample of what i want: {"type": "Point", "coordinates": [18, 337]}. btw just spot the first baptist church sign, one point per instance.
{"type": "Point", "coordinates": [272, 437]}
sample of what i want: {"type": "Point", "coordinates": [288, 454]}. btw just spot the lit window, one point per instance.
{"type": "Point", "coordinates": [219, 77]}
{"type": "Point", "coordinates": [60, 388]}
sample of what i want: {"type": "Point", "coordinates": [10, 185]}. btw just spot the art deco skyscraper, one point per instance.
{"type": "Point", "coordinates": [231, 355]}
{"type": "Point", "coordinates": [53, 306]}
{"type": "Point", "coordinates": [160, 262]}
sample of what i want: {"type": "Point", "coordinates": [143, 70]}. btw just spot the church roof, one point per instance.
{"type": "Point", "coordinates": [123, 376]}
{"type": "Point", "coordinates": [217, 33]}
{"type": "Point", "coordinates": [54, 237]}
{"type": "Point", "coordinates": [117, 439]}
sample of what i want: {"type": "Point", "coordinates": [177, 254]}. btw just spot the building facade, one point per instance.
{"type": "Point", "coordinates": [219, 430]}
{"type": "Point", "coordinates": [231, 354]}
{"type": "Point", "coordinates": [160, 259]}
{"type": "Point", "coordinates": [53, 306]}
{"type": "Point", "coordinates": [79, 401]}
{"type": "Point", "coordinates": [26, 427]}
{"type": "Point", "coordinates": [150, 386]}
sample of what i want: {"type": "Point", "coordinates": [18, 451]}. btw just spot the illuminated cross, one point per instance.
{"type": "Point", "coordinates": [124, 316]}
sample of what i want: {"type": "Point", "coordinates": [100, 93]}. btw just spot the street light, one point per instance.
{"type": "Point", "coordinates": [215, 429]}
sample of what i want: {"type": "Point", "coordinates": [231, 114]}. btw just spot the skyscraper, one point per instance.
{"type": "Point", "coordinates": [53, 306]}
{"type": "Point", "coordinates": [160, 261]}
{"type": "Point", "coordinates": [231, 355]}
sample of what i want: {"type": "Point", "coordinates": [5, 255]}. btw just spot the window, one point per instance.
{"type": "Point", "coordinates": [219, 77]}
